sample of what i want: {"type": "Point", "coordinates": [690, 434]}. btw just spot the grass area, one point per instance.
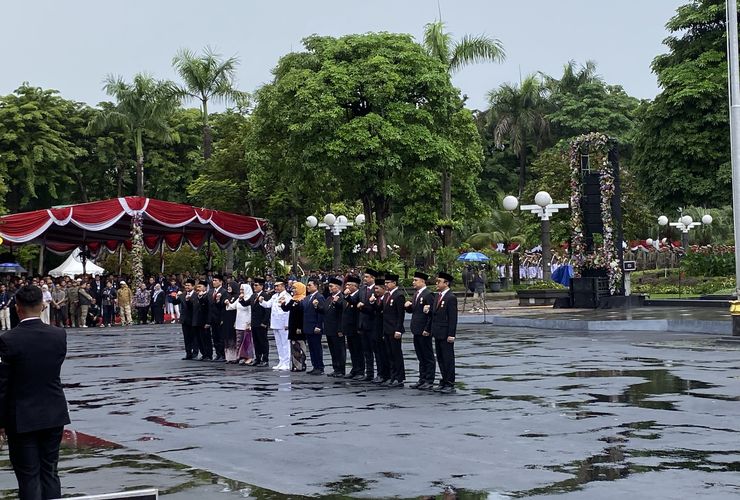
{"type": "Point", "coordinates": [673, 296]}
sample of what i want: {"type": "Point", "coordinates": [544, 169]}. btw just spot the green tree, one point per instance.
{"type": "Point", "coordinates": [364, 117]}
{"type": "Point", "coordinates": [38, 154]}
{"type": "Point", "coordinates": [143, 109]}
{"type": "Point", "coordinates": [581, 102]}
{"type": "Point", "coordinates": [518, 114]}
{"type": "Point", "coordinates": [455, 55]}
{"type": "Point", "coordinates": [682, 149]}
{"type": "Point", "coordinates": [207, 78]}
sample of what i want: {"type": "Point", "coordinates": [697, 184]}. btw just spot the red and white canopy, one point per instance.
{"type": "Point", "coordinates": [107, 224]}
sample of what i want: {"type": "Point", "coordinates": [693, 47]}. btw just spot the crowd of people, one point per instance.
{"type": "Point", "coordinates": [233, 320]}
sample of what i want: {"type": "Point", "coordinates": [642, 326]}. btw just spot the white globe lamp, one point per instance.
{"type": "Point", "coordinates": [312, 221]}
{"type": "Point", "coordinates": [510, 203]}
{"type": "Point", "coordinates": [686, 220]}
{"type": "Point", "coordinates": [662, 220]}
{"type": "Point", "coordinates": [649, 242]}
{"type": "Point", "coordinates": [543, 199]}
{"type": "Point", "coordinates": [330, 219]}
{"type": "Point", "coordinates": [360, 219]}
{"type": "Point", "coordinates": [706, 219]}
{"type": "Point", "coordinates": [341, 220]}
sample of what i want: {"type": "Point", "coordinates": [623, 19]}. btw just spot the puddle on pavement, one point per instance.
{"type": "Point", "coordinates": [163, 421]}
{"type": "Point", "coordinates": [659, 382]}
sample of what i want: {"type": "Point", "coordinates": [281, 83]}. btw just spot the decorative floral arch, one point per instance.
{"type": "Point", "coordinates": [596, 146]}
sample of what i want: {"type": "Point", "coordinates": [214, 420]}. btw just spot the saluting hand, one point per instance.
{"type": "Point", "coordinates": [427, 308]}
{"type": "Point", "coordinates": [407, 304]}
{"type": "Point", "coordinates": [372, 299]}
{"type": "Point", "coordinates": [359, 305]}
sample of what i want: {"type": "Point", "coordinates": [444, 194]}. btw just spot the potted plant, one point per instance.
{"type": "Point", "coordinates": [541, 293]}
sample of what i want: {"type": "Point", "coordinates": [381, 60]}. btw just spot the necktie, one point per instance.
{"type": "Point", "coordinates": [439, 299]}
{"type": "Point", "coordinates": [416, 297]}
{"type": "Point", "coordinates": [387, 297]}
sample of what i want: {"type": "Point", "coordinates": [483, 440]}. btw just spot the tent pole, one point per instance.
{"type": "Point", "coordinates": [41, 259]}
{"type": "Point", "coordinates": [161, 257]}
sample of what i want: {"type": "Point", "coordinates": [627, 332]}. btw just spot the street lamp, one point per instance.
{"type": "Point", "coordinates": [543, 208]}
{"type": "Point", "coordinates": [335, 224]}
{"type": "Point", "coordinates": [685, 224]}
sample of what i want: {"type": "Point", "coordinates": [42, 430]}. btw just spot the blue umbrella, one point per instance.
{"type": "Point", "coordinates": [11, 268]}
{"type": "Point", "coordinates": [473, 257]}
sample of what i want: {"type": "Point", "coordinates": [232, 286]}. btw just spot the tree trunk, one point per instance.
{"type": "Point", "coordinates": [446, 207]}
{"type": "Point", "coordinates": [522, 171]}
{"type": "Point", "coordinates": [83, 188]}
{"type": "Point", "coordinates": [382, 210]}
{"type": "Point", "coordinates": [119, 172]}
{"type": "Point", "coordinates": [367, 209]}
{"type": "Point", "coordinates": [207, 138]}
{"type": "Point", "coordinates": [140, 176]}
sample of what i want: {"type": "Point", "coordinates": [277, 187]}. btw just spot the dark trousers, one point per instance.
{"type": "Point", "coordinates": [366, 340]}
{"type": "Point", "coordinates": [338, 353]}
{"type": "Point", "coordinates": [381, 356]}
{"type": "Point", "coordinates": [217, 332]}
{"type": "Point", "coordinates": [34, 456]}
{"type": "Point", "coordinates": [190, 341]}
{"type": "Point", "coordinates": [59, 316]}
{"type": "Point", "coordinates": [261, 344]}
{"type": "Point", "coordinates": [142, 312]}
{"type": "Point", "coordinates": [205, 346]}
{"type": "Point", "coordinates": [354, 344]}
{"type": "Point", "coordinates": [158, 314]}
{"type": "Point", "coordinates": [446, 359]}
{"type": "Point", "coordinates": [395, 357]}
{"type": "Point", "coordinates": [316, 350]}
{"type": "Point", "coordinates": [109, 315]}
{"type": "Point", "coordinates": [425, 355]}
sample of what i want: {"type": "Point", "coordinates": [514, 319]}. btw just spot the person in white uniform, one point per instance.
{"type": "Point", "coordinates": [279, 324]}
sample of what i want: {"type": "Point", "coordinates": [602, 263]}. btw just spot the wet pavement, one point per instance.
{"type": "Point", "coordinates": [575, 415]}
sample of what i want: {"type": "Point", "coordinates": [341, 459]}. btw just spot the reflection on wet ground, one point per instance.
{"type": "Point", "coordinates": [535, 413]}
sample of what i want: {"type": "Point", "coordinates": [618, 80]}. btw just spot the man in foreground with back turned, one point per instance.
{"type": "Point", "coordinates": [32, 403]}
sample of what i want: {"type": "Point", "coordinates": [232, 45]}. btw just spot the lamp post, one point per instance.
{"type": "Point", "coordinates": [685, 224]}
{"type": "Point", "coordinates": [335, 224]}
{"type": "Point", "coordinates": [543, 208]}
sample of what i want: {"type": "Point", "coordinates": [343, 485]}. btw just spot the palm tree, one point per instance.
{"type": "Point", "coordinates": [519, 119]}
{"type": "Point", "coordinates": [207, 78]}
{"type": "Point", "coordinates": [143, 107]}
{"type": "Point", "coordinates": [455, 55]}
{"type": "Point", "coordinates": [573, 77]}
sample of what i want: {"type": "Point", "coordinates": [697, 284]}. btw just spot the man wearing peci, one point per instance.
{"type": "Point", "coordinates": [32, 403]}
{"type": "Point", "coordinates": [366, 322]}
{"type": "Point", "coordinates": [443, 326]}
{"type": "Point", "coordinates": [313, 325]}
{"type": "Point", "coordinates": [419, 307]}
{"type": "Point", "coordinates": [333, 306]}
{"type": "Point", "coordinates": [393, 316]}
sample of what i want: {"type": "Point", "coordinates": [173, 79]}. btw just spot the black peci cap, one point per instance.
{"type": "Point", "coordinates": [419, 274]}
{"type": "Point", "coordinates": [447, 277]}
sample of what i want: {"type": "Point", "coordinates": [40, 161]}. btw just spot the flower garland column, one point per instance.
{"type": "Point", "coordinates": [137, 250]}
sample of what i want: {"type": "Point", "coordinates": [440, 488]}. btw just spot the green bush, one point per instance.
{"type": "Point", "coordinates": [542, 285]}
{"type": "Point", "coordinates": [708, 264]}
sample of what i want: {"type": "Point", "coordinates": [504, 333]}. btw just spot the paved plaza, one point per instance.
{"type": "Point", "coordinates": [537, 413]}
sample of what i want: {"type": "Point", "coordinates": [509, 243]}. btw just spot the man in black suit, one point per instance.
{"type": "Point", "coordinates": [313, 325]}
{"type": "Point", "coordinates": [32, 402]}
{"type": "Point", "coordinates": [200, 317]}
{"type": "Point", "coordinates": [373, 309]}
{"type": "Point", "coordinates": [187, 301]}
{"type": "Point", "coordinates": [350, 319]}
{"type": "Point", "coordinates": [333, 306]}
{"type": "Point", "coordinates": [393, 316]}
{"type": "Point", "coordinates": [260, 323]}
{"type": "Point", "coordinates": [216, 304]}
{"type": "Point", "coordinates": [419, 307]}
{"type": "Point", "coordinates": [366, 322]}
{"type": "Point", "coordinates": [443, 326]}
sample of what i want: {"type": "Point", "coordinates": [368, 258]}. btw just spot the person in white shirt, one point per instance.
{"type": "Point", "coordinates": [279, 324]}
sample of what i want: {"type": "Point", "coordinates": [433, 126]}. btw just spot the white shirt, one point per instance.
{"type": "Point", "coordinates": [278, 317]}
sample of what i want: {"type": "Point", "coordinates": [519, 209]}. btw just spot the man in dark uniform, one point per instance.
{"type": "Point", "coordinates": [419, 307]}
{"type": "Point", "coordinates": [200, 316]}
{"type": "Point", "coordinates": [393, 316]}
{"type": "Point", "coordinates": [186, 300]}
{"type": "Point", "coordinates": [33, 409]}
{"type": "Point", "coordinates": [366, 322]}
{"type": "Point", "coordinates": [373, 308]}
{"type": "Point", "coordinates": [350, 320]}
{"type": "Point", "coordinates": [333, 306]}
{"type": "Point", "coordinates": [260, 323]}
{"type": "Point", "coordinates": [313, 325]}
{"type": "Point", "coordinates": [216, 304]}
{"type": "Point", "coordinates": [443, 325]}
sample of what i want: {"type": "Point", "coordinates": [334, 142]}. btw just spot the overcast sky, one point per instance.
{"type": "Point", "coordinates": [71, 45]}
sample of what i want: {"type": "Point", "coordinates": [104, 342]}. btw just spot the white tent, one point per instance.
{"type": "Point", "coordinates": [73, 266]}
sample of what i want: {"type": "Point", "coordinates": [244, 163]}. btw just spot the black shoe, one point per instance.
{"type": "Point", "coordinates": [349, 375]}
{"type": "Point", "coordinates": [378, 380]}
{"type": "Point", "coordinates": [186, 358]}
{"type": "Point", "coordinates": [417, 385]}
{"type": "Point", "coordinates": [220, 358]}
{"type": "Point", "coordinates": [448, 389]}
{"type": "Point", "coordinates": [396, 384]}
{"type": "Point", "coordinates": [263, 364]}
{"type": "Point", "coordinates": [387, 382]}
{"type": "Point", "coordinates": [316, 371]}
{"type": "Point", "coordinates": [359, 377]}
{"type": "Point", "coordinates": [368, 378]}
{"type": "Point", "coordinates": [438, 388]}
{"type": "Point", "coordinates": [204, 358]}
{"type": "Point", "coordinates": [425, 386]}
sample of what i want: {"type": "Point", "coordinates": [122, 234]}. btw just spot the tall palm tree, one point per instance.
{"type": "Point", "coordinates": [519, 119]}
{"type": "Point", "coordinates": [574, 76]}
{"type": "Point", "coordinates": [207, 77]}
{"type": "Point", "coordinates": [455, 55]}
{"type": "Point", "coordinates": [143, 107]}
